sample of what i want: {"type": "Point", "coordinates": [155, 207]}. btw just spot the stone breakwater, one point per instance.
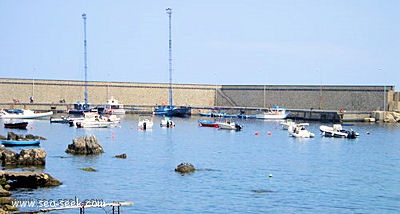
{"type": "Point", "coordinates": [63, 93]}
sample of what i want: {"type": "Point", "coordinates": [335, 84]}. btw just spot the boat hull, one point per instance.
{"type": "Point", "coordinates": [271, 116]}
{"type": "Point", "coordinates": [207, 123]}
{"type": "Point", "coordinates": [94, 124]}
{"type": "Point", "coordinates": [34, 142]}
{"type": "Point", "coordinates": [26, 114]}
{"type": "Point", "coordinates": [173, 111]}
{"type": "Point", "coordinates": [230, 126]}
{"type": "Point", "coordinates": [21, 125]}
{"type": "Point", "coordinates": [337, 132]}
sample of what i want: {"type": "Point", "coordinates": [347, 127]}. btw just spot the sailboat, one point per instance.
{"type": "Point", "coordinates": [170, 109]}
{"type": "Point", "coordinates": [79, 107]}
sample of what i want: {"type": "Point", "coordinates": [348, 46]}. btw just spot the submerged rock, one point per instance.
{"type": "Point", "coordinates": [88, 169]}
{"type": "Point", "coordinates": [87, 145]}
{"type": "Point", "coordinates": [185, 168]}
{"type": "Point", "coordinates": [123, 156]}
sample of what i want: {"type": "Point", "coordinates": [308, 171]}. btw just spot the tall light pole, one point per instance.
{"type": "Point", "coordinates": [169, 12]}
{"type": "Point", "coordinates": [86, 106]}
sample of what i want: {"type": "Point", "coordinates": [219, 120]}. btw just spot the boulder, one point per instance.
{"type": "Point", "coordinates": [32, 157]}
{"type": "Point", "coordinates": [13, 136]}
{"type": "Point", "coordinates": [185, 168]}
{"type": "Point", "coordinates": [4, 193]}
{"type": "Point", "coordinates": [29, 179]}
{"type": "Point", "coordinates": [27, 157]}
{"type": "Point", "coordinates": [87, 145]}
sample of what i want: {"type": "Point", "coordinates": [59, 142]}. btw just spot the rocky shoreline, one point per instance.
{"type": "Point", "coordinates": [10, 180]}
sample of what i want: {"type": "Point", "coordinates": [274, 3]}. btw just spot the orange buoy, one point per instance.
{"type": "Point", "coordinates": [256, 133]}
{"type": "Point", "coordinates": [269, 133]}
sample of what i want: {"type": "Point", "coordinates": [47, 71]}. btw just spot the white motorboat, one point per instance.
{"type": "Point", "coordinates": [300, 131]}
{"type": "Point", "coordinates": [285, 124]}
{"type": "Point", "coordinates": [167, 122]}
{"type": "Point", "coordinates": [23, 114]}
{"type": "Point", "coordinates": [93, 124]}
{"type": "Point", "coordinates": [229, 125]}
{"type": "Point", "coordinates": [114, 107]}
{"type": "Point", "coordinates": [94, 120]}
{"type": "Point", "coordinates": [337, 131]}
{"type": "Point", "coordinates": [145, 123]}
{"type": "Point", "coordinates": [274, 113]}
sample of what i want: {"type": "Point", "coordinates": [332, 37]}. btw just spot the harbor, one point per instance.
{"type": "Point", "coordinates": [199, 107]}
{"type": "Point", "coordinates": [298, 114]}
{"type": "Point", "coordinates": [233, 168]}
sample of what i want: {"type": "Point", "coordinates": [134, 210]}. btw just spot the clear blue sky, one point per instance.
{"type": "Point", "coordinates": [273, 42]}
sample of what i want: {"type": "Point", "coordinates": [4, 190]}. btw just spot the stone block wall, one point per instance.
{"type": "Point", "coordinates": [358, 98]}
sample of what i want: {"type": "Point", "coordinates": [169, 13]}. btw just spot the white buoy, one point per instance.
{"type": "Point", "coordinates": [270, 175]}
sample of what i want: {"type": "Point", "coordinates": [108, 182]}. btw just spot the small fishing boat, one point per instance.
{"type": "Point", "coordinates": [31, 142]}
{"type": "Point", "coordinates": [242, 115]}
{"type": "Point", "coordinates": [229, 125]}
{"type": "Point", "coordinates": [15, 125]}
{"type": "Point", "coordinates": [93, 124]}
{"type": "Point", "coordinates": [22, 114]}
{"type": "Point", "coordinates": [300, 131]}
{"type": "Point", "coordinates": [145, 123]}
{"type": "Point", "coordinates": [337, 131]}
{"type": "Point", "coordinates": [276, 113]}
{"type": "Point", "coordinates": [167, 122]}
{"type": "Point", "coordinates": [80, 108]}
{"type": "Point", "coordinates": [114, 107]}
{"type": "Point", "coordinates": [172, 111]}
{"type": "Point", "coordinates": [207, 123]}
{"type": "Point", "coordinates": [62, 119]}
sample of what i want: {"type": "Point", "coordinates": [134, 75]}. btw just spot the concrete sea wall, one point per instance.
{"type": "Point", "coordinates": [51, 92]}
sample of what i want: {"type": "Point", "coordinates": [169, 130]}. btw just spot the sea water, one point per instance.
{"type": "Point", "coordinates": [257, 170]}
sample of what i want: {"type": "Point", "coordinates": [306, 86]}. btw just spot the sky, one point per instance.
{"type": "Point", "coordinates": [224, 42]}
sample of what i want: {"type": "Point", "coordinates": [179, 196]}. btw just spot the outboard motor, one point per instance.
{"type": "Point", "coordinates": [238, 127]}
{"type": "Point", "coordinates": [144, 126]}
{"type": "Point", "coordinates": [351, 134]}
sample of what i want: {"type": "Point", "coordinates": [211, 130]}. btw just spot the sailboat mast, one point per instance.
{"type": "Point", "coordinates": [169, 12]}
{"type": "Point", "coordinates": [85, 58]}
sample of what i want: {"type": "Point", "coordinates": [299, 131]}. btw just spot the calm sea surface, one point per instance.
{"type": "Point", "coordinates": [318, 175]}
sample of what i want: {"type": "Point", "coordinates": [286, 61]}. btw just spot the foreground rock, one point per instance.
{"type": "Point", "coordinates": [29, 179]}
{"type": "Point", "coordinates": [27, 157]}
{"type": "Point", "coordinates": [185, 168]}
{"type": "Point", "coordinates": [12, 180]}
{"type": "Point", "coordinates": [87, 145]}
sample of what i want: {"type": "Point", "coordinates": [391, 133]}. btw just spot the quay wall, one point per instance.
{"type": "Point", "coordinates": [351, 98]}
{"type": "Point", "coordinates": [51, 92]}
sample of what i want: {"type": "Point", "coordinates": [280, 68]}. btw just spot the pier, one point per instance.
{"type": "Point", "coordinates": [115, 207]}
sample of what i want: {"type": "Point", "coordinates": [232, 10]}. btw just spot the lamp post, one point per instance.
{"type": "Point", "coordinates": [169, 12]}
{"type": "Point", "coordinates": [86, 106]}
